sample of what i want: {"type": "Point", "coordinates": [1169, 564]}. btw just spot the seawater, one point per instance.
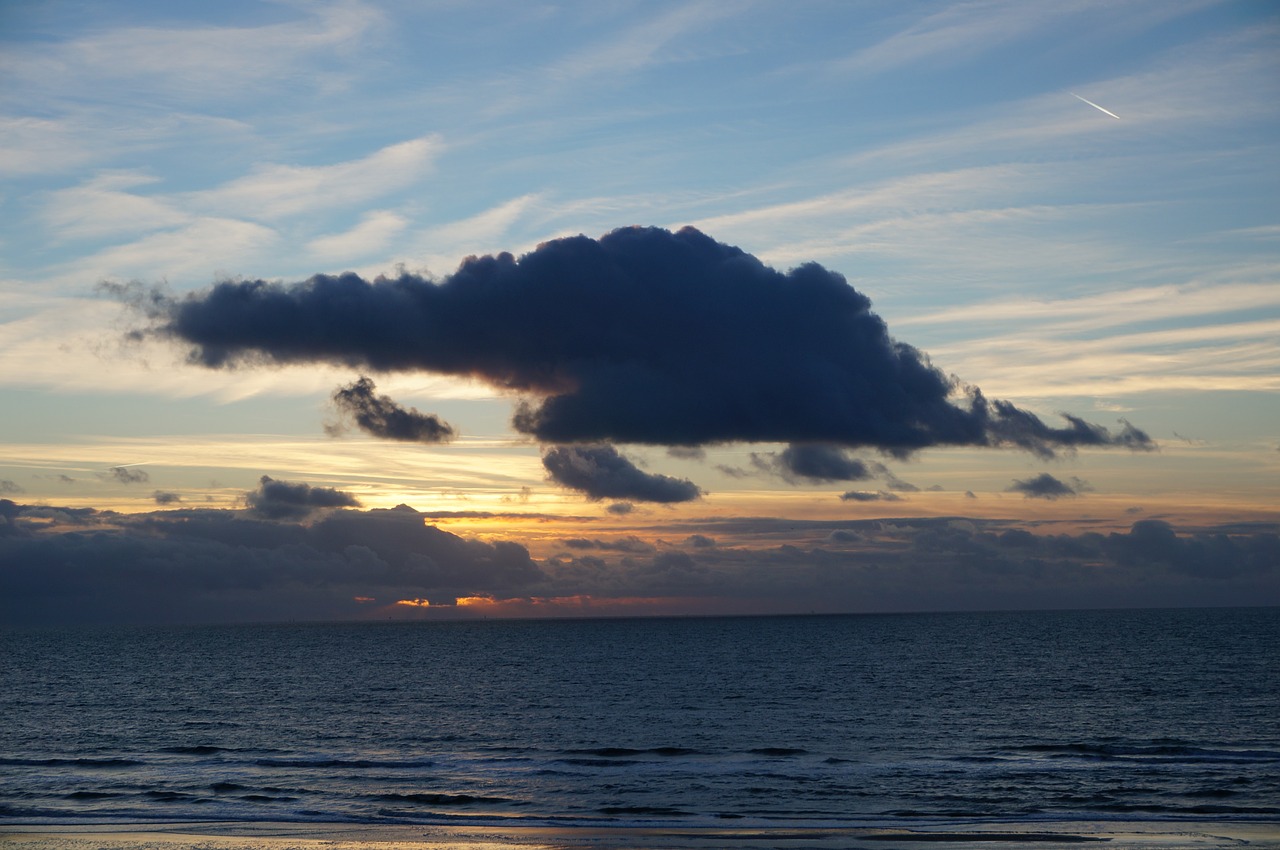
{"type": "Point", "coordinates": [773, 722]}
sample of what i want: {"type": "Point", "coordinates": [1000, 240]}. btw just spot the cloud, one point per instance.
{"type": "Point", "coordinates": [168, 64]}
{"type": "Point", "coordinates": [1045, 486]}
{"type": "Point", "coordinates": [127, 475]}
{"type": "Point", "coordinates": [375, 230]}
{"type": "Point", "coordinates": [381, 417]}
{"type": "Point", "coordinates": [810, 462]}
{"type": "Point", "coordinates": [940, 564]}
{"type": "Point", "coordinates": [279, 191]}
{"type": "Point", "coordinates": [287, 500]}
{"type": "Point", "coordinates": [164, 497]}
{"type": "Point", "coordinates": [61, 564]}
{"type": "Point", "coordinates": [601, 472]}
{"type": "Point", "coordinates": [7, 486]}
{"type": "Point", "coordinates": [201, 565]}
{"type": "Point", "coordinates": [642, 336]}
{"type": "Point", "coordinates": [867, 496]}
{"type": "Point", "coordinates": [621, 544]}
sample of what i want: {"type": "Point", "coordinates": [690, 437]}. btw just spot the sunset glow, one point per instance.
{"type": "Point", "coordinates": [657, 310]}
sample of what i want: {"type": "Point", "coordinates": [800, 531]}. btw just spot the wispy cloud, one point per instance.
{"type": "Point", "coordinates": [32, 145]}
{"type": "Point", "coordinates": [956, 32]}
{"type": "Point", "coordinates": [276, 191]}
{"type": "Point", "coordinates": [102, 207]}
{"type": "Point", "coordinates": [963, 30]}
{"type": "Point", "coordinates": [1118, 307]}
{"type": "Point", "coordinates": [638, 46]}
{"type": "Point", "coordinates": [192, 63]}
{"type": "Point", "coordinates": [373, 234]}
{"type": "Point", "coordinates": [443, 246]}
{"type": "Point", "coordinates": [183, 254]}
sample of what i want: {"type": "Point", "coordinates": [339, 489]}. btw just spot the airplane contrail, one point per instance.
{"type": "Point", "coordinates": [1096, 106]}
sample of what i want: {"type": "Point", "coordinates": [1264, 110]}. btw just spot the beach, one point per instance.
{"type": "Point", "coordinates": [293, 836]}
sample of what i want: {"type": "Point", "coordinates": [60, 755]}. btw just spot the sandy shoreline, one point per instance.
{"type": "Point", "coordinates": [290, 836]}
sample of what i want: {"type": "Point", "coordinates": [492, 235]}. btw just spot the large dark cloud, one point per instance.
{"type": "Point", "coordinates": [286, 499]}
{"type": "Point", "coordinates": [601, 472]}
{"type": "Point", "coordinates": [382, 417]}
{"type": "Point", "coordinates": [641, 336]}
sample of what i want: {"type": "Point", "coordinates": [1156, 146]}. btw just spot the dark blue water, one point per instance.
{"type": "Point", "coordinates": [800, 721]}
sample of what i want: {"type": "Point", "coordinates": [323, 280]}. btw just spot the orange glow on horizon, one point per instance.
{"type": "Point", "coordinates": [584, 605]}
{"type": "Point", "coordinates": [413, 603]}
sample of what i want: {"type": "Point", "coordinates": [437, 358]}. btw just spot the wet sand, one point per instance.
{"type": "Point", "coordinates": [285, 836]}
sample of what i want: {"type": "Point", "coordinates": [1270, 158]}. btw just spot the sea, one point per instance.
{"type": "Point", "coordinates": [908, 721]}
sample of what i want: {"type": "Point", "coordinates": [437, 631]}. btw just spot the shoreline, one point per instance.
{"type": "Point", "coordinates": [219, 835]}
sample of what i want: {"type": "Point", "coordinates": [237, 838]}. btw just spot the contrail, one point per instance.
{"type": "Point", "coordinates": [1096, 106]}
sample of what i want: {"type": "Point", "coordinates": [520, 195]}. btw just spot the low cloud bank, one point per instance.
{"type": "Point", "coordinates": [79, 565]}
{"type": "Point", "coordinates": [86, 566]}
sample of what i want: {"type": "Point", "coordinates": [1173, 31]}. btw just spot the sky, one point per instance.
{"type": "Point", "coordinates": [367, 310]}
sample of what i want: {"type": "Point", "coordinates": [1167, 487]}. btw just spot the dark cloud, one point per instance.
{"type": "Point", "coordinates": [7, 486]}
{"type": "Point", "coordinates": [700, 541]}
{"type": "Point", "coordinates": [945, 564]}
{"type": "Point", "coordinates": [200, 565]}
{"type": "Point", "coordinates": [523, 496]}
{"type": "Point", "coordinates": [621, 508]}
{"type": "Point", "coordinates": [9, 511]}
{"type": "Point", "coordinates": [601, 472]}
{"type": "Point", "coordinates": [380, 416]}
{"type": "Point", "coordinates": [515, 515]}
{"type": "Point", "coordinates": [619, 544]}
{"type": "Point", "coordinates": [641, 336]}
{"type": "Point", "coordinates": [285, 499]}
{"type": "Point", "coordinates": [1045, 486]}
{"type": "Point", "coordinates": [868, 496]}
{"type": "Point", "coordinates": [813, 463]}
{"type": "Point", "coordinates": [893, 482]}
{"type": "Point", "coordinates": [127, 475]}
{"type": "Point", "coordinates": [163, 497]}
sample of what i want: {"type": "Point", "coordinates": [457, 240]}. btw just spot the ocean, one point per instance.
{"type": "Point", "coordinates": [894, 721]}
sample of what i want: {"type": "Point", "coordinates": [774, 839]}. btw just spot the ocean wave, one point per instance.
{"type": "Point", "coordinates": [321, 762]}
{"type": "Point", "coordinates": [628, 752]}
{"type": "Point", "coordinates": [1158, 752]}
{"type": "Point", "coordinates": [92, 763]}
